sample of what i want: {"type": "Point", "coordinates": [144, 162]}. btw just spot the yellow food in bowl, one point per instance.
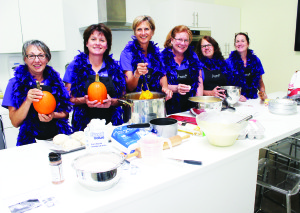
{"type": "Point", "coordinates": [145, 95]}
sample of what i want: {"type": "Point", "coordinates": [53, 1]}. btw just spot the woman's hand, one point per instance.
{"type": "Point", "coordinates": [218, 92]}
{"type": "Point", "coordinates": [243, 98]}
{"type": "Point", "coordinates": [34, 95]}
{"type": "Point", "coordinates": [262, 95]}
{"type": "Point", "coordinates": [168, 92]}
{"type": "Point", "coordinates": [95, 104]}
{"type": "Point", "coordinates": [141, 70]}
{"type": "Point", "coordinates": [46, 118]}
{"type": "Point", "coordinates": [182, 89]}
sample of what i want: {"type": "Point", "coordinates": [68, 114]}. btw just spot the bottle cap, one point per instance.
{"type": "Point", "coordinates": [53, 156]}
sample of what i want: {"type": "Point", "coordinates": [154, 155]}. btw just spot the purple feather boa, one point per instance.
{"type": "Point", "coordinates": [236, 65]}
{"type": "Point", "coordinates": [169, 65]}
{"type": "Point", "coordinates": [153, 55]}
{"type": "Point", "coordinates": [29, 128]}
{"type": "Point", "coordinates": [82, 70]}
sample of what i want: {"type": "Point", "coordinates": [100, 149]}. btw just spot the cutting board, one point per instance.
{"type": "Point", "coordinates": [191, 120]}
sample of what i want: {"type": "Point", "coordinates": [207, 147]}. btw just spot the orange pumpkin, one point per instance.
{"type": "Point", "coordinates": [97, 91]}
{"type": "Point", "coordinates": [47, 104]}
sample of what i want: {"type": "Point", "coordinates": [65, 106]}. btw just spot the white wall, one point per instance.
{"type": "Point", "coordinates": [270, 24]}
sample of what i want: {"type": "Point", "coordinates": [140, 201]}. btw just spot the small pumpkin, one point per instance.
{"type": "Point", "coordinates": [97, 91]}
{"type": "Point", "coordinates": [46, 104]}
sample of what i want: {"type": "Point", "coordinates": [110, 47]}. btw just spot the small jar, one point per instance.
{"type": "Point", "coordinates": [56, 168]}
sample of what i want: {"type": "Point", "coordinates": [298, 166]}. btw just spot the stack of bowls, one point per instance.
{"type": "Point", "coordinates": [282, 106]}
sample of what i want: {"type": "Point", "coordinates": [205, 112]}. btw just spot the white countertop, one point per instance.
{"type": "Point", "coordinates": [170, 187]}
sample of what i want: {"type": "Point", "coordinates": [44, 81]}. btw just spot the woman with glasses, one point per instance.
{"type": "Point", "coordinates": [215, 70]}
{"type": "Point", "coordinates": [140, 60]}
{"type": "Point", "coordinates": [21, 92]}
{"type": "Point", "coordinates": [183, 69]}
{"type": "Point", "coordinates": [81, 72]}
{"type": "Point", "coordinates": [246, 69]}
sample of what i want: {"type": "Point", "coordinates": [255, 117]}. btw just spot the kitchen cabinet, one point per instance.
{"type": "Point", "coordinates": [11, 35]}
{"type": "Point", "coordinates": [224, 26]}
{"type": "Point", "coordinates": [10, 132]}
{"type": "Point", "coordinates": [193, 14]}
{"type": "Point", "coordinates": [23, 20]}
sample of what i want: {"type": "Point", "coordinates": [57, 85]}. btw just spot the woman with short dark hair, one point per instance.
{"type": "Point", "coordinates": [21, 92]}
{"type": "Point", "coordinates": [81, 72]}
{"type": "Point", "coordinates": [215, 70]}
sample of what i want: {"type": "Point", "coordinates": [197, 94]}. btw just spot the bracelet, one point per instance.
{"type": "Point", "coordinates": [135, 76]}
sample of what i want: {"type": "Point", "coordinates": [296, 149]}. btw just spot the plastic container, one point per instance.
{"type": "Point", "coordinates": [152, 149]}
{"type": "Point", "coordinates": [255, 130]}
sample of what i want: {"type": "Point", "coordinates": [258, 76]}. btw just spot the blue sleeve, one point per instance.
{"type": "Point", "coordinates": [125, 61]}
{"type": "Point", "coordinates": [261, 69]}
{"type": "Point", "coordinates": [69, 73]}
{"type": "Point", "coordinates": [8, 95]}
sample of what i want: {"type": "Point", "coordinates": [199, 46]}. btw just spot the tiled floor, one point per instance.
{"type": "Point", "coordinates": [269, 206]}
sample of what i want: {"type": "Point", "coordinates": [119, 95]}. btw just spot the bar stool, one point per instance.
{"type": "Point", "coordinates": [278, 177]}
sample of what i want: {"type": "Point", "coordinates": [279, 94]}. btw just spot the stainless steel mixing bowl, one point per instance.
{"type": "Point", "coordinates": [98, 171]}
{"type": "Point", "coordinates": [233, 94]}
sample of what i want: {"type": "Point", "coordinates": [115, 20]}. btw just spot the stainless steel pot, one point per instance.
{"type": "Point", "coordinates": [164, 127]}
{"type": "Point", "coordinates": [142, 111]}
{"type": "Point", "coordinates": [99, 171]}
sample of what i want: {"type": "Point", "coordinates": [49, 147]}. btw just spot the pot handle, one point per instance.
{"type": "Point", "coordinates": [144, 125]}
{"type": "Point", "coordinates": [125, 102]}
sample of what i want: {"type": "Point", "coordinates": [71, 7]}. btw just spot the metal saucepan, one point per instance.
{"type": "Point", "coordinates": [164, 127]}
{"type": "Point", "coordinates": [98, 171]}
{"type": "Point", "coordinates": [143, 111]}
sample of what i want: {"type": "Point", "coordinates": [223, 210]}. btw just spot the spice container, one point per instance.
{"type": "Point", "coordinates": [56, 168]}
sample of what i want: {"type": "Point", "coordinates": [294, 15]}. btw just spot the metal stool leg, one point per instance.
{"type": "Point", "coordinates": [288, 204]}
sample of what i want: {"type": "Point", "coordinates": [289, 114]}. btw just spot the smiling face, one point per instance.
{"type": "Point", "coordinates": [97, 43]}
{"type": "Point", "coordinates": [207, 49]}
{"type": "Point", "coordinates": [36, 65]}
{"type": "Point", "coordinates": [143, 33]}
{"type": "Point", "coordinates": [241, 44]}
{"type": "Point", "coordinates": [180, 42]}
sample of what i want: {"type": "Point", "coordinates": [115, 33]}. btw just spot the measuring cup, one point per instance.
{"type": "Point", "coordinates": [152, 149]}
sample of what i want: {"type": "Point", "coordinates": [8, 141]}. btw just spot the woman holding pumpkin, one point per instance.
{"type": "Point", "coordinates": [140, 60]}
{"type": "Point", "coordinates": [21, 92]}
{"type": "Point", "coordinates": [183, 69]}
{"type": "Point", "coordinates": [81, 73]}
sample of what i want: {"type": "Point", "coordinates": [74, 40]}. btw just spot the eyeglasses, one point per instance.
{"type": "Point", "coordinates": [33, 57]}
{"type": "Point", "coordinates": [180, 40]}
{"type": "Point", "coordinates": [207, 45]}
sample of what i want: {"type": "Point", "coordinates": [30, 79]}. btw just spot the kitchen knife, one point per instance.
{"type": "Point", "coordinates": [194, 162]}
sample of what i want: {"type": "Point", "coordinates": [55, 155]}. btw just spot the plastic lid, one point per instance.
{"type": "Point", "coordinates": [53, 156]}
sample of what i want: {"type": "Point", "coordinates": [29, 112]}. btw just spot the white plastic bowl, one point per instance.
{"type": "Point", "coordinates": [221, 128]}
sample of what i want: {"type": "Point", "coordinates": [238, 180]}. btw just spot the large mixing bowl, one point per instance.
{"type": "Point", "coordinates": [232, 93]}
{"type": "Point", "coordinates": [98, 171]}
{"type": "Point", "coordinates": [207, 103]}
{"type": "Point", "coordinates": [221, 128]}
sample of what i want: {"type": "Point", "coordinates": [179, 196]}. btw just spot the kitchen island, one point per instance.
{"type": "Point", "coordinates": [225, 182]}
